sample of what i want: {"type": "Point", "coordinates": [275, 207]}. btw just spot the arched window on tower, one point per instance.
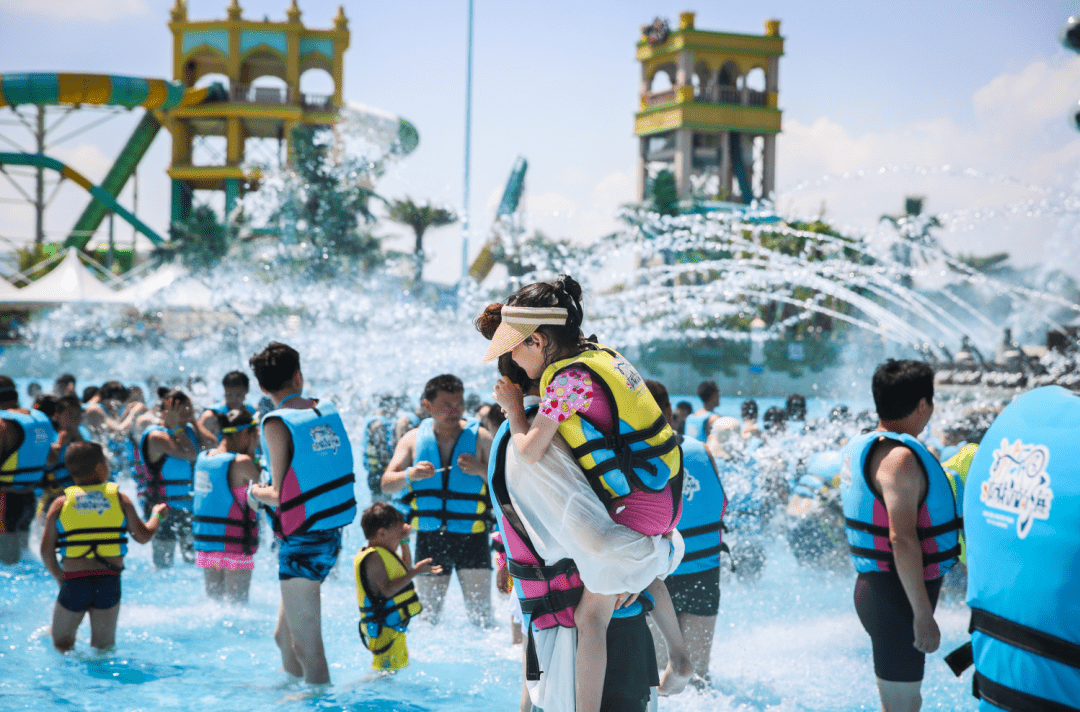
{"type": "Point", "coordinates": [755, 87]}
{"type": "Point", "coordinates": [727, 80]}
{"type": "Point", "coordinates": [316, 90]}
{"type": "Point", "coordinates": [704, 86]}
{"type": "Point", "coordinates": [662, 86]}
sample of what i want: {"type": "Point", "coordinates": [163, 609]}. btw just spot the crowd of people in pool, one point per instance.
{"type": "Point", "coordinates": [603, 505]}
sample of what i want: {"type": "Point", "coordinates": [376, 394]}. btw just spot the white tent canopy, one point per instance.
{"type": "Point", "coordinates": [183, 292]}
{"type": "Point", "coordinates": [70, 282]}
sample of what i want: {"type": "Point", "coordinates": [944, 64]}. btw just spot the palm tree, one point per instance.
{"type": "Point", "coordinates": [419, 218]}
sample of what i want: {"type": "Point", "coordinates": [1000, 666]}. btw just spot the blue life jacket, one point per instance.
{"type": "Point", "coordinates": [169, 480]}
{"type": "Point", "coordinates": [821, 469]}
{"type": "Point", "coordinates": [450, 500]}
{"type": "Point", "coordinates": [1023, 546]}
{"type": "Point", "coordinates": [704, 503]}
{"type": "Point", "coordinates": [317, 491]}
{"type": "Point", "coordinates": [24, 469]}
{"type": "Point", "coordinates": [555, 588]}
{"type": "Point", "coordinates": [867, 521]}
{"type": "Point", "coordinates": [694, 427]}
{"type": "Point", "coordinates": [223, 409]}
{"type": "Point", "coordinates": [221, 522]}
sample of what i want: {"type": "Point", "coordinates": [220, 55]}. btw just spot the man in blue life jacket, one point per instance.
{"type": "Point", "coordinates": [311, 494]}
{"type": "Point", "coordinates": [236, 385]}
{"type": "Point", "coordinates": [25, 439]}
{"type": "Point", "coordinates": [695, 586]}
{"type": "Point", "coordinates": [700, 424]}
{"type": "Point", "coordinates": [446, 503]}
{"type": "Point", "coordinates": [901, 519]}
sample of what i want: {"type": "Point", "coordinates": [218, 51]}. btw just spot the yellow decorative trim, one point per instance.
{"type": "Point", "coordinates": [244, 111]}
{"type": "Point", "coordinates": [686, 20]}
{"type": "Point", "coordinates": [715, 117]}
{"type": "Point", "coordinates": [772, 28]}
{"type": "Point", "coordinates": [684, 94]}
{"type": "Point", "coordinates": [644, 102]}
{"type": "Point", "coordinates": [772, 99]}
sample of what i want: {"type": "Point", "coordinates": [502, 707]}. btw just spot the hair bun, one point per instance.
{"type": "Point", "coordinates": [569, 293]}
{"type": "Point", "coordinates": [489, 320]}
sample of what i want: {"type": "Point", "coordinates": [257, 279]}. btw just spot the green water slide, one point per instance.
{"type": "Point", "coordinates": [97, 192]}
{"type": "Point", "coordinates": [124, 167]}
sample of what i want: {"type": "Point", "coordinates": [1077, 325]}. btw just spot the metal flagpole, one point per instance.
{"type": "Point", "coordinates": [468, 132]}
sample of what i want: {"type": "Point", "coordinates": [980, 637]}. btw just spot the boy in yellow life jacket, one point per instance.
{"type": "Point", "coordinates": [89, 525]}
{"type": "Point", "coordinates": [384, 587]}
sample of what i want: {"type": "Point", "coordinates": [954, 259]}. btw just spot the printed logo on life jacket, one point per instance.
{"type": "Point", "coordinates": [41, 435]}
{"type": "Point", "coordinates": [690, 486]}
{"type": "Point", "coordinates": [323, 437]}
{"type": "Point", "coordinates": [92, 501]}
{"type": "Point", "coordinates": [1018, 484]}
{"type": "Point", "coordinates": [628, 372]}
{"type": "Point", "coordinates": [202, 482]}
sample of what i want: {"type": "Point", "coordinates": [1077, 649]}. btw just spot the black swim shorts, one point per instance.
{"type": "Point", "coordinates": [309, 556]}
{"type": "Point", "coordinates": [697, 594]}
{"type": "Point", "coordinates": [100, 591]}
{"type": "Point", "coordinates": [449, 550]}
{"type": "Point", "coordinates": [886, 615]}
{"type": "Point", "coordinates": [631, 666]}
{"type": "Point", "coordinates": [17, 511]}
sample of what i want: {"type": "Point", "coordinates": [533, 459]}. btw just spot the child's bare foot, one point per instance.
{"type": "Point", "coordinates": [676, 675]}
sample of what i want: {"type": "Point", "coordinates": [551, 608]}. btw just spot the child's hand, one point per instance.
{"type": "Point", "coordinates": [61, 440]}
{"type": "Point", "coordinates": [425, 567]}
{"type": "Point", "coordinates": [421, 471]}
{"type": "Point", "coordinates": [502, 581]}
{"type": "Point", "coordinates": [159, 509]}
{"type": "Point", "coordinates": [624, 600]}
{"type": "Point", "coordinates": [507, 394]}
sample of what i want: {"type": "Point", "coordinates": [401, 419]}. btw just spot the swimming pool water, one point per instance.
{"type": "Point", "coordinates": [790, 641]}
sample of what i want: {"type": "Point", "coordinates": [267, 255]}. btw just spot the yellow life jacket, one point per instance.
{"type": "Point", "coordinates": [382, 618]}
{"type": "Point", "coordinates": [643, 454]}
{"type": "Point", "coordinates": [92, 523]}
{"type": "Point", "coordinates": [956, 469]}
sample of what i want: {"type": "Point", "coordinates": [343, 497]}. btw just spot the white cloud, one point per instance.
{"type": "Point", "coordinates": [1021, 138]}
{"type": "Point", "coordinates": [96, 10]}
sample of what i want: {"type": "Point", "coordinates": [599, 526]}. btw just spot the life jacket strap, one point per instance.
{"type": "Point", "coordinates": [378, 613]}
{"type": "Point", "coordinates": [887, 556]}
{"type": "Point", "coordinates": [617, 441]}
{"type": "Point", "coordinates": [324, 514]}
{"type": "Point", "coordinates": [69, 533]}
{"type": "Point", "coordinates": [551, 602]}
{"type": "Point", "coordinates": [628, 460]}
{"type": "Point", "coordinates": [703, 553]}
{"type": "Point", "coordinates": [1007, 698]}
{"type": "Point", "coordinates": [703, 529]}
{"type": "Point", "coordinates": [922, 532]}
{"type": "Point", "coordinates": [440, 514]}
{"type": "Point", "coordinates": [367, 641]}
{"type": "Point", "coordinates": [211, 538]}
{"type": "Point", "coordinates": [1020, 636]}
{"type": "Point", "coordinates": [533, 572]}
{"type": "Point", "coordinates": [316, 491]}
{"type": "Point", "coordinates": [227, 521]}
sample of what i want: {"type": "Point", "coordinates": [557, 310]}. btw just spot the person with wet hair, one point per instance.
{"type": "Point", "coordinates": [775, 420]}
{"type": "Point", "coordinates": [902, 520]}
{"type": "Point", "coordinates": [310, 494]}
{"type": "Point", "coordinates": [25, 439]}
{"type": "Point", "coordinates": [66, 417]}
{"type": "Point", "coordinates": [225, 526]}
{"type": "Point", "coordinates": [597, 401]}
{"type": "Point", "coordinates": [64, 385]}
{"type": "Point", "coordinates": [168, 452]}
{"type": "Point", "coordinates": [701, 423]}
{"type": "Point", "coordinates": [236, 386]}
{"type": "Point", "coordinates": [796, 412]}
{"type": "Point", "coordinates": [683, 409]}
{"type": "Point", "coordinates": [446, 503]}
{"type": "Point", "coordinates": [89, 528]}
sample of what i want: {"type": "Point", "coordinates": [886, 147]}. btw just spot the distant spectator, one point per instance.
{"type": "Point", "coordinates": [749, 412]}
{"type": "Point", "coordinates": [678, 419]}
{"type": "Point", "coordinates": [64, 385]}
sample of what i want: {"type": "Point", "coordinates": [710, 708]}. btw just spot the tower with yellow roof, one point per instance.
{"type": "Point", "coordinates": [243, 50]}
{"type": "Point", "coordinates": [708, 109]}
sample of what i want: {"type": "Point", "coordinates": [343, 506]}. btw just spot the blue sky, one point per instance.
{"type": "Point", "coordinates": [979, 85]}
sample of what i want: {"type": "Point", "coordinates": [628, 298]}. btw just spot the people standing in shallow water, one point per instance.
{"type": "Point", "coordinates": [902, 522]}
{"type": "Point", "coordinates": [225, 526]}
{"type": "Point", "coordinates": [384, 585]}
{"type": "Point", "coordinates": [311, 495]}
{"type": "Point", "coordinates": [168, 452]}
{"type": "Point", "coordinates": [695, 585]}
{"type": "Point", "coordinates": [598, 402]}
{"type": "Point", "coordinates": [236, 385]}
{"type": "Point", "coordinates": [67, 419]}
{"type": "Point", "coordinates": [89, 527]}
{"type": "Point", "coordinates": [446, 503]}
{"type": "Point", "coordinates": [25, 439]}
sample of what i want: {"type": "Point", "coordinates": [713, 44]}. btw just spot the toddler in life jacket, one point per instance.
{"type": "Point", "coordinates": [598, 402]}
{"type": "Point", "coordinates": [384, 585]}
